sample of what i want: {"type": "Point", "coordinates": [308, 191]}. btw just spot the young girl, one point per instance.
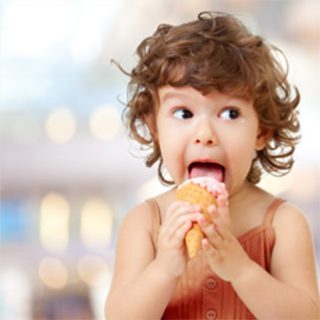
{"type": "Point", "coordinates": [214, 101]}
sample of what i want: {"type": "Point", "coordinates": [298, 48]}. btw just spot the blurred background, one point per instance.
{"type": "Point", "coordinates": [68, 172]}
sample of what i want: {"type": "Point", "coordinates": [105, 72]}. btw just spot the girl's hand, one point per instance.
{"type": "Point", "coordinates": [171, 251]}
{"type": "Point", "coordinates": [224, 253]}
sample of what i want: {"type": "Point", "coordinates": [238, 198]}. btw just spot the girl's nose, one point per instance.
{"type": "Point", "coordinates": [205, 134]}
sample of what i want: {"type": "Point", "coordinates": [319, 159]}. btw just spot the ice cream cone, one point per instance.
{"type": "Point", "coordinates": [201, 191]}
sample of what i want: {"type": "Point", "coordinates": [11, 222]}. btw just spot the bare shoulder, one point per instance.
{"type": "Point", "coordinates": [293, 258]}
{"type": "Point", "coordinates": [135, 230]}
{"type": "Point", "coordinates": [138, 217]}
{"type": "Point", "coordinates": [134, 246]}
{"type": "Point", "coordinates": [292, 229]}
{"type": "Point", "coordinates": [288, 220]}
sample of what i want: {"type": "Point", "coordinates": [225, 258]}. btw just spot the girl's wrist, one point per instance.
{"type": "Point", "coordinates": [161, 271]}
{"type": "Point", "coordinates": [246, 273]}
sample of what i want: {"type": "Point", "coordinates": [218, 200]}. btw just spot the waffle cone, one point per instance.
{"type": "Point", "coordinates": [195, 194]}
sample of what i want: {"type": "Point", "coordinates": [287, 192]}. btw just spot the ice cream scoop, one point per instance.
{"type": "Point", "coordinates": [202, 191]}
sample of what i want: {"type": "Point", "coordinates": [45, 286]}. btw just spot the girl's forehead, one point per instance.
{"type": "Point", "coordinates": [168, 92]}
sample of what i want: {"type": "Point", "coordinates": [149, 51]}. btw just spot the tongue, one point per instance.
{"type": "Point", "coordinates": [207, 170]}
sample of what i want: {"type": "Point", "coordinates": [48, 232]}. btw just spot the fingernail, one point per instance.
{"type": "Point", "coordinates": [202, 219]}
{"type": "Point", "coordinates": [204, 243]}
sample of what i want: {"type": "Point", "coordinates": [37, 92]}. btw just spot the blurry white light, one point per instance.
{"type": "Point", "coordinates": [95, 21]}
{"type": "Point", "coordinates": [98, 294]}
{"type": "Point", "coordinates": [86, 45]}
{"type": "Point", "coordinates": [151, 188]}
{"type": "Point", "coordinates": [15, 292]}
{"type": "Point", "coordinates": [304, 176]}
{"type": "Point", "coordinates": [96, 223]}
{"type": "Point", "coordinates": [26, 128]}
{"type": "Point", "coordinates": [61, 125]}
{"type": "Point", "coordinates": [277, 185]}
{"type": "Point", "coordinates": [53, 273]}
{"type": "Point", "coordinates": [105, 123]}
{"type": "Point", "coordinates": [92, 269]}
{"type": "Point", "coordinates": [21, 34]}
{"type": "Point", "coordinates": [54, 222]}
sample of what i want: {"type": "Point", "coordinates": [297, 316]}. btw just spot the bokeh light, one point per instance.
{"type": "Point", "coordinates": [92, 269]}
{"type": "Point", "coordinates": [61, 125]}
{"type": "Point", "coordinates": [54, 222]}
{"type": "Point", "coordinates": [96, 223]}
{"type": "Point", "coordinates": [105, 123]}
{"type": "Point", "coordinates": [53, 273]}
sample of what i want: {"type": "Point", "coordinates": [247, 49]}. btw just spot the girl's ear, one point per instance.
{"type": "Point", "coordinates": [264, 135]}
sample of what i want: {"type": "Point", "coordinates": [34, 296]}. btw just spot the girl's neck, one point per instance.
{"type": "Point", "coordinates": [248, 195]}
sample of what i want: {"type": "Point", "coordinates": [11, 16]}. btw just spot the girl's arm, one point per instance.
{"type": "Point", "coordinates": [290, 291]}
{"type": "Point", "coordinates": [137, 289]}
{"type": "Point", "coordinates": [143, 284]}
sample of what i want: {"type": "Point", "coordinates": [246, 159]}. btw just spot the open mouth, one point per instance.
{"type": "Point", "coordinates": [206, 169]}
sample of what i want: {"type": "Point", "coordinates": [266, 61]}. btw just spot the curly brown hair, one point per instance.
{"type": "Point", "coordinates": [216, 51]}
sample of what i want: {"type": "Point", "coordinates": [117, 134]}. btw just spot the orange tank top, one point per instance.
{"type": "Point", "coordinates": [201, 294]}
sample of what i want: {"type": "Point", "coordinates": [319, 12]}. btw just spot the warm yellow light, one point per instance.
{"type": "Point", "coordinates": [61, 125]}
{"type": "Point", "coordinates": [96, 223]}
{"type": "Point", "coordinates": [53, 273]}
{"type": "Point", "coordinates": [54, 222]}
{"type": "Point", "coordinates": [105, 123]}
{"type": "Point", "coordinates": [92, 268]}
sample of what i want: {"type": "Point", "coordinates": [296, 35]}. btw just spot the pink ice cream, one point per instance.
{"type": "Point", "coordinates": [202, 191]}
{"type": "Point", "coordinates": [210, 184]}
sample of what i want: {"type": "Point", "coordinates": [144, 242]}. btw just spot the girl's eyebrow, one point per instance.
{"type": "Point", "coordinates": [172, 95]}
{"type": "Point", "coordinates": [238, 96]}
{"type": "Point", "coordinates": [238, 99]}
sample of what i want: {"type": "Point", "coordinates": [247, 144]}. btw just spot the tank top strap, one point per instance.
{"type": "Point", "coordinates": [275, 204]}
{"type": "Point", "coordinates": [155, 218]}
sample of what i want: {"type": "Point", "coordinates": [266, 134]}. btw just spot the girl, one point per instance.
{"type": "Point", "coordinates": [209, 98]}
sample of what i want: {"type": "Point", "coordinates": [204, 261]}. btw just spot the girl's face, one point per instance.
{"type": "Point", "coordinates": [207, 135]}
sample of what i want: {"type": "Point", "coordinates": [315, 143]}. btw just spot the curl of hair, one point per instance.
{"type": "Point", "coordinates": [216, 51]}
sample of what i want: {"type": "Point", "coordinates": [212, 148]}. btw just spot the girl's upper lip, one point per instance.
{"type": "Point", "coordinates": [206, 167]}
{"type": "Point", "coordinates": [204, 160]}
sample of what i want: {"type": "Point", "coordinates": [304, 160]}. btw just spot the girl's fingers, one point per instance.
{"type": "Point", "coordinates": [223, 209]}
{"type": "Point", "coordinates": [218, 230]}
{"type": "Point", "coordinates": [175, 218]}
{"type": "Point", "coordinates": [175, 211]}
{"type": "Point", "coordinates": [209, 250]}
{"type": "Point", "coordinates": [179, 208]}
{"type": "Point", "coordinates": [179, 225]}
{"type": "Point", "coordinates": [221, 220]}
{"type": "Point", "coordinates": [181, 232]}
{"type": "Point", "coordinates": [220, 211]}
{"type": "Point", "coordinates": [210, 231]}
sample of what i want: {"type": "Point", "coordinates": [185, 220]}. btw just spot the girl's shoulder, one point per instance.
{"type": "Point", "coordinates": [293, 256]}
{"type": "Point", "coordinates": [293, 233]}
{"type": "Point", "coordinates": [289, 218]}
{"type": "Point", "coordinates": [143, 217]}
{"type": "Point", "coordinates": [135, 248]}
{"type": "Point", "coordinates": [138, 218]}
{"type": "Point", "coordinates": [281, 212]}
{"type": "Point", "coordinates": [281, 209]}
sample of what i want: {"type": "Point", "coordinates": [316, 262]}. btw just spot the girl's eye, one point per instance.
{"type": "Point", "coordinates": [230, 114]}
{"type": "Point", "coordinates": [182, 114]}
